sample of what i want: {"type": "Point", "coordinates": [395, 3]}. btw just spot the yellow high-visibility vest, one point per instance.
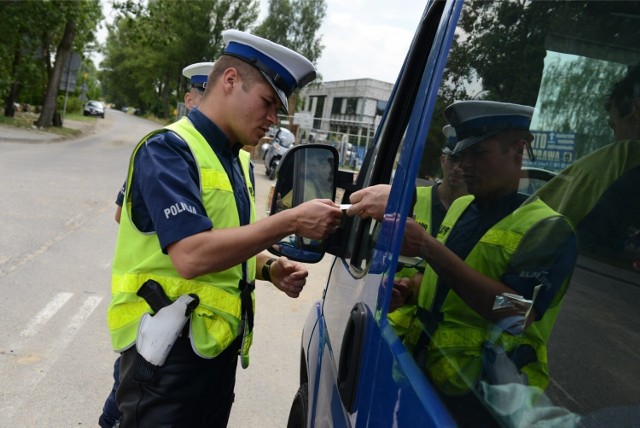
{"type": "Point", "coordinates": [454, 352]}
{"type": "Point", "coordinates": [215, 323]}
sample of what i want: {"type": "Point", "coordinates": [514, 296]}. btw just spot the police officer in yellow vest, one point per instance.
{"type": "Point", "coordinates": [431, 205]}
{"type": "Point", "coordinates": [197, 73]}
{"type": "Point", "coordinates": [489, 248]}
{"type": "Point", "coordinates": [188, 224]}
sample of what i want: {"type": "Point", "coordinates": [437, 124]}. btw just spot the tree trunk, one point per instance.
{"type": "Point", "coordinates": [14, 92]}
{"type": "Point", "coordinates": [62, 56]}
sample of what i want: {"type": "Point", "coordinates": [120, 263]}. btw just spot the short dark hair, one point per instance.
{"type": "Point", "coordinates": [624, 91]}
{"type": "Point", "coordinates": [248, 73]}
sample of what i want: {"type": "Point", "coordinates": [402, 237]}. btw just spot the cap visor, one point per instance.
{"type": "Point", "coordinates": [281, 95]}
{"type": "Point", "coordinates": [465, 143]}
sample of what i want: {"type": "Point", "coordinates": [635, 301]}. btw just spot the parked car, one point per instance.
{"type": "Point", "coordinates": [561, 57]}
{"type": "Point", "coordinates": [93, 108]}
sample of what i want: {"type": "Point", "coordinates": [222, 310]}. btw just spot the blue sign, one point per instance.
{"type": "Point", "coordinates": [553, 150]}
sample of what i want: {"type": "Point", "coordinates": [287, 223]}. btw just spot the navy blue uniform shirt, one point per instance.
{"type": "Point", "coordinates": [165, 190]}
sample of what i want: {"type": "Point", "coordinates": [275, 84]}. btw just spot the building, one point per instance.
{"type": "Point", "coordinates": [344, 111]}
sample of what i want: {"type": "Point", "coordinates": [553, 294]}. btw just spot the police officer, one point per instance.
{"type": "Point", "coordinates": [189, 224]}
{"type": "Point", "coordinates": [431, 205]}
{"type": "Point", "coordinates": [489, 246]}
{"type": "Point", "coordinates": [197, 74]}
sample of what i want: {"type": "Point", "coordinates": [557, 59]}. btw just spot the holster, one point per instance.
{"type": "Point", "coordinates": [157, 333]}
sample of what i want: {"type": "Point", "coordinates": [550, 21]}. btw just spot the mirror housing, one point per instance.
{"type": "Point", "coordinates": [306, 172]}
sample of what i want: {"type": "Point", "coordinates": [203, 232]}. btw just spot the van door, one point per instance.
{"type": "Point", "coordinates": [364, 368]}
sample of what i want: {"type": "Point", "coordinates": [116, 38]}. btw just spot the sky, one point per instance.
{"type": "Point", "coordinates": [361, 38]}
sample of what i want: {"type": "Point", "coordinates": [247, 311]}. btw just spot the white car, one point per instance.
{"type": "Point", "coordinates": [93, 108]}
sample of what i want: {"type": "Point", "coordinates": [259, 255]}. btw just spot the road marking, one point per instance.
{"type": "Point", "coordinates": [45, 314]}
{"type": "Point", "coordinates": [34, 373]}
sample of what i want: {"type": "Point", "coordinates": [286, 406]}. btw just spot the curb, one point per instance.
{"type": "Point", "coordinates": [38, 135]}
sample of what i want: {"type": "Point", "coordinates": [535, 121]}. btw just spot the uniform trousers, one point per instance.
{"type": "Point", "coordinates": [187, 391]}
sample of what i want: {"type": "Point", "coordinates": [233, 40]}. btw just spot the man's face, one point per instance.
{"type": "Point", "coordinates": [624, 127]}
{"type": "Point", "coordinates": [452, 172]}
{"type": "Point", "coordinates": [490, 169]}
{"type": "Point", "coordinates": [256, 109]}
{"type": "Point", "coordinates": [193, 98]}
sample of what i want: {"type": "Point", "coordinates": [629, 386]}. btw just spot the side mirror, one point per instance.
{"type": "Point", "coordinates": [306, 172]}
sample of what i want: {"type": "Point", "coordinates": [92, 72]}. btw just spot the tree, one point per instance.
{"type": "Point", "coordinates": [149, 45]}
{"type": "Point", "coordinates": [295, 24]}
{"type": "Point", "coordinates": [19, 43]}
{"type": "Point", "coordinates": [570, 89]}
{"type": "Point", "coordinates": [80, 20]}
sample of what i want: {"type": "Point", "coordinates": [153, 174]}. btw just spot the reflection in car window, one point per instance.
{"type": "Point", "coordinates": [577, 63]}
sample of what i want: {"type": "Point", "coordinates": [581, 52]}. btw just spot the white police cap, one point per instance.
{"type": "Point", "coordinates": [475, 121]}
{"type": "Point", "coordinates": [198, 74]}
{"type": "Point", "coordinates": [284, 69]}
{"type": "Point", "coordinates": [450, 133]}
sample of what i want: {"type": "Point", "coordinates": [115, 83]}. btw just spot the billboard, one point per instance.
{"type": "Point", "coordinates": [553, 150]}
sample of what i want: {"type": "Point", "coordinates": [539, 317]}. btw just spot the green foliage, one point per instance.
{"type": "Point", "coordinates": [572, 99]}
{"type": "Point", "coordinates": [32, 31]}
{"type": "Point", "coordinates": [295, 24]}
{"type": "Point", "coordinates": [74, 105]}
{"type": "Point", "coordinates": [149, 44]}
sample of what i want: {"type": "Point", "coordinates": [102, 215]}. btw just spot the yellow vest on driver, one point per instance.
{"type": "Point", "coordinates": [215, 323]}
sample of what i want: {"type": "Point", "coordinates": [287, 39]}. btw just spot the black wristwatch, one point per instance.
{"type": "Point", "coordinates": [266, 269]}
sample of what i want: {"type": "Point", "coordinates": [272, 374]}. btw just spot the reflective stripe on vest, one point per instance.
{"type": "Point", "coordinates": [215, 323]}
{"type": "Point", "coordinates": [453, 359]}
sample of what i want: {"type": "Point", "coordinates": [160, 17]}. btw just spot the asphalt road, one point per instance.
{"type": "Point", "coordinates": [58, 236]}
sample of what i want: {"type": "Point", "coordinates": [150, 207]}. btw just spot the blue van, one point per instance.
{"type": "Point", "coordinates": [562, 58]}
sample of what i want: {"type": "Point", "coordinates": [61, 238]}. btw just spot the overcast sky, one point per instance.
{"type": "Point", "coordinates": [361, 38]}
{"type": "Point", "coordinates": [367, 38]}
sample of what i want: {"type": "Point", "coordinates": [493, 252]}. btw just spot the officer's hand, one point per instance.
{"type": "Point", "coordinates": [288, 276]}
{"type": "Point", "coordinates": [415, 240]}
{"type": "Point", "coordinates": [369, 202]}
{"type": "Point", "coordinates": [317, 219]}
{"type": "Point", "coordinates": [399, 293]}
{"type": "Point", "coordinates": [405, 291]}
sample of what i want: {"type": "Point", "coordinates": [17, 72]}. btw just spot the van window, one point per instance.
{"type": "Point", "coordinates": [577, 64]}
{"type": "Point", "coordinates": [563, 58]}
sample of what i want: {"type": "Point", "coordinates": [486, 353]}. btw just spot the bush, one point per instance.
{"type": "Point", "coordinates": [74, 105]}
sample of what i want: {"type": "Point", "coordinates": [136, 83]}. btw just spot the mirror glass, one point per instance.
{"type": "Point", "coordinates": [306, 172]}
